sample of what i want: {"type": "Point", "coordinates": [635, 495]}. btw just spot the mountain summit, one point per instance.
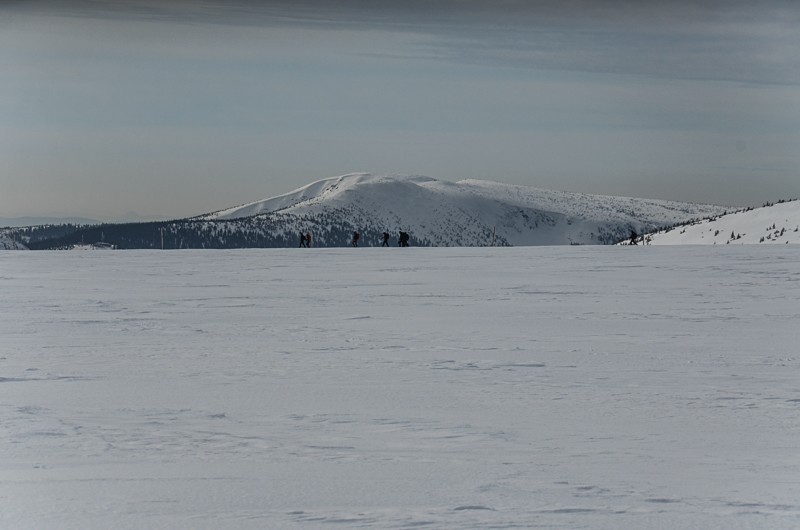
{"type": "Point", "coordinates": [464, 213]}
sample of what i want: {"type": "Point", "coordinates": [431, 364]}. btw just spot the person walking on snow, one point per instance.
{"type": "Point", "coordinates": [385, 239]}
{"type": "Point", "coordinates": [356, 237]}
{"type": "Point", "coordinates": [303, 241]}
{"type": "Point", "coordinates": [308, 239]}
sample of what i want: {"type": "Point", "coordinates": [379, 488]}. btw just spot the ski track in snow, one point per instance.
{"type": "Point", "coordinates": [546, 387]}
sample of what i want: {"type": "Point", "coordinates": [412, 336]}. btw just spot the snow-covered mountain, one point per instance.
{"type": "Point", "coordinates": [433, 212]}
{"type": "Point", "coordinates": [468, 213]}
{"type": "Point", "coordinates": [778, 223]}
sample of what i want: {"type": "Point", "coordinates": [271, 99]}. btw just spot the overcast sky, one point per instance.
{"type": "Point", "coordinates": [183, 107]}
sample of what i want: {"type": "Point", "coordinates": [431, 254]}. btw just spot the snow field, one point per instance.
{"type": "Point", "coordinates": [571, 387]}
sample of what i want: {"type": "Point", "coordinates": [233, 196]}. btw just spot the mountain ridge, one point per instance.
{"type": "Point", "coordinates": [434, 212]}
{"type": "Point", "coordinates": [470, 212]}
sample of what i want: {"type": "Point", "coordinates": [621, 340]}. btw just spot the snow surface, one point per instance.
{"type": "Point", "coordinates": [470, 212]}
{"type": "Point", "coordinates": [779, 224]}
{"type": "Point", "coordinates": [547, 387]}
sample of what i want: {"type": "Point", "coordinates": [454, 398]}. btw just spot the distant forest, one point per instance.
{"type": "Point", "coordinates": [253, 232]}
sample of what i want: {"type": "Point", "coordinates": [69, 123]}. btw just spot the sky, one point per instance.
{"type": "Point", "coordinates": [174, 109]}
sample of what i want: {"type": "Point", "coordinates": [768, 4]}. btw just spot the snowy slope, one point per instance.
{"type": "Point", "coordinates": [468, 213]}
{"type": "Point", "coordinates": [472, 388]}
{"type": "Point", "coordinates": [779, 223]}
{"type": "Point", "coordinates": [7, 243]}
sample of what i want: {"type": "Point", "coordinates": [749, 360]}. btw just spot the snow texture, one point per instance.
{"type": "Point", "coordinates": [779, 223]}
{"type": "Point", "coordinates": [546, 387]}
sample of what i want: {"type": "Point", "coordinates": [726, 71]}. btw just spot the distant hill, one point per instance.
{"type": "Point", "coordinates": [434, 212]}
{"type": "Point", "coordinates": [772, 224]}
{"type": "Point", "coordinates": [465, 213]}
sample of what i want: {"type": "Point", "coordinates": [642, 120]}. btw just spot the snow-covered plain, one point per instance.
{"type": "Point", "coordinates": [547, 387]}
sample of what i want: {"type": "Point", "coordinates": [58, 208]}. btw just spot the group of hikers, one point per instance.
{"type": "Point", "coordinates": [402, 240]}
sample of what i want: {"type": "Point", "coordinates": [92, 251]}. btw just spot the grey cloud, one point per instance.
{"type": "Point", "coordinates": [734, 40]}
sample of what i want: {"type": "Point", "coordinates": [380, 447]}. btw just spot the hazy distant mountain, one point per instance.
{"type": "Point", "coordinates": [434, 212]}
{"type": "Point", "coordinates": [778, 223]}
{"type": "Point", "coordinates": [37, 221]}
{"type": "Point", "coordinates": [134, 217]}
{"type": "Point", "coordinates": [128, 217]}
